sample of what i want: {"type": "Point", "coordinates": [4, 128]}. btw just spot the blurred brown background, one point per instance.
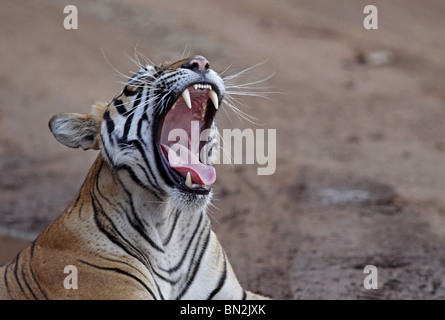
{"type": "Point", "coordinates": [360, 122]}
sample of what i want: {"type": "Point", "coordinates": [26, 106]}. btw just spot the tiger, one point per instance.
{"type": "Point", "coordinates": [138, 228]}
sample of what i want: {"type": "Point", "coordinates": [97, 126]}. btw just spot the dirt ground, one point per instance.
{"type": "Point", "coordinates": [360, 166]}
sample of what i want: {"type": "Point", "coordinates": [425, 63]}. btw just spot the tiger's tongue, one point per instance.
{"type": "Point", "coordinates": [186, 161]}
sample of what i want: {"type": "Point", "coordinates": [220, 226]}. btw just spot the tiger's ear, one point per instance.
{"type": "Point", "coordinates": [77, 130]}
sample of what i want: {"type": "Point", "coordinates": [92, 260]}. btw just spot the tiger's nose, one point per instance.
{"type": "Point", "coordinates": [198, 63]}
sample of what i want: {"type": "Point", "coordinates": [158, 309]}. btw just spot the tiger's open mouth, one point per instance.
{"type": "Point", "coordinates": [182, 138]}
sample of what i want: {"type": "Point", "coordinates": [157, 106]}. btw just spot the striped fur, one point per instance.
{"type": "Point", "coordinates": [134, 230]}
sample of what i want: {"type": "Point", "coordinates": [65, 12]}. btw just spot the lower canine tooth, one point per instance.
{"type": "Point", "coordinates": [186, 97]}
{"type": "Point", "coordinates": [188, 180]}
{"type": "Point", "coordinates": [174, 106]}
{"type": "Point", "coordinates": [214, 97]}
{"type": "Point", "coordinates": [203, 110]}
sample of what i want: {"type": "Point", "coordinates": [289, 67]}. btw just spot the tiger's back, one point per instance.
{"type": "Point", "coordinates": [41, 270]}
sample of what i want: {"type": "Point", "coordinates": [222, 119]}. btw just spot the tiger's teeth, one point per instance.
{"type": "Point", "coordinates": [214, 97]}
{"type": "Point", "coordinates": [186, 97]}
{"type": "Point", "coordinates": [203, 110]}
{"type": "Point", "coordinates": [174, 105]}
{"type": "Point", "coordinates": [188, 180]}
{"type": "Point", "coordinates": [195, 86]}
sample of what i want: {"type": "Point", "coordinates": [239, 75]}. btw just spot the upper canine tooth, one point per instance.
{"type": "Point", "coordinates": [186, 97]}
{"type": "Point", "coordinates": [214, 97]}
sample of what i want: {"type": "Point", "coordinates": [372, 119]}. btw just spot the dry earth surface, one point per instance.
{"type": "Point", "coordinates": [360, 166]}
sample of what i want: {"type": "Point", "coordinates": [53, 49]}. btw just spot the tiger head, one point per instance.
{"type": "Point", "coordinates": [159, 133]}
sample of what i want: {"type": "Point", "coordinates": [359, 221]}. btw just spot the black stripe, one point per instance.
{"type": "Point", "coordinates": [129, 92]}
{"type": "Point", "coordinates": [16, 272]}
{"type": "Point", "coordinates": [110, 125]}
{"type": "Point", "coordinates": [136, 179]}
{"type": "Point", "coordinates": [158, 157]}
{"type": "Point", "coordinates": [120, 106]}
{"type": "Point", "coordinates": [137, 224]}
{"type": "Point", "coordinates": [137, 270]}
{"type": "Point", "coordinates": [122, 242]}
{"type": "Point", "coordinates": [116, 238]}
{"type": "Point", "coordinates": [6, 279]}
{"type": "Point", "coordinates": [167, 240]}
{"type": "Point", "coordinates": [127, 127]}
{"type": "Point", "coordinates": [124, 263]}
{"type": "Point", "coordinates": [168, 280]}
{"type": "Point", "coordinates": [131, 173]}
{"type": "Point", "coordinates": [154, 190]}
{"type": "Point", "coordinates": [123, 111]}
{"type": "Point", "coordinates": [75, 203]}
{"type": "Point", "coordinates": [195, 264]}
{"type": "Point", "coordinates": [27, 284]}
{"type": "Point", "coordinates": [97, 185]}
{"type": "Point", "coordinates": [141, 149]}
{"type": "Point", "coordinates": [124, 273]}
{"type": "Point", "coordinates": [181, 261]}
{"type": "Point", "coordinates": [32, 272]}
{"type": "Point", "coordinates": [221, 281]}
